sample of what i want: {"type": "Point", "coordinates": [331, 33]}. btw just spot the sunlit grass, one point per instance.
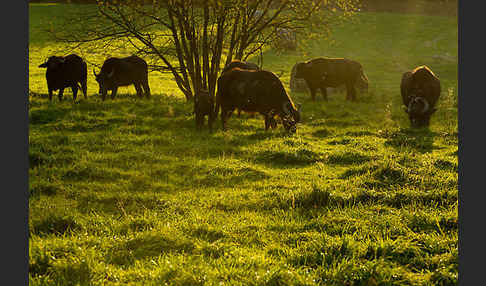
{"type": "Point", "coordinates": [126, 192]}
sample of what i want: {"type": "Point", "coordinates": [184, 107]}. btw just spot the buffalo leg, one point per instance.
{"type": "Point", "coordinates": [74, 88]}
{"type": "Point", "coordinates": [268, 122]}
{"type": "Point", "coordinates": [350, 92]}
{"type": "Point", "coordinates": [146, 88]}
{"type": "Point", "coordinates": [223, 119]}
{"type": "Point", "coordinates": [199, 121]}
{"type": "Point", "coordinates": [313, 93]}
{"type": "Point", "coordinates": [139, 90]}
{"type": "Point", "coordinates": [225, 115]}
{"type": "Point", "coordinates": [61, 92]}
{"type": "Point", "coordinates": [113, 92]}
{"type": "Point", "coordinates": [50, 94]}
{"type": "Point", "coordinates": [210, 121]}
{"type": "Point", "coordinates": [324, 92]}
{"type": "Point", "coordinates": [84, 89]}
{"type": "Point", "coordinates": [273, 123]}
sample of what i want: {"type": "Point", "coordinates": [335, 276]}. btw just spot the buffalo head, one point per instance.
{"type": "Point", "coordinates": [362, 83]}
{"type": "Point", "coordinates": [105, 81]}
{"type": "Point", "coordinates": [290, 116]}
{"type": "Point", "coordinates": [52, 63]}
{"type": "Point", "coordinates": [419, 112]}
{"type": "Point", "coordinates": [301, 70]}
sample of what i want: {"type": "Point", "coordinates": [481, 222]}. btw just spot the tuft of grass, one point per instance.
{"type": "Point", "coordinates": [313, 199]}
{"type": "Point", "coordinates": [301, 156]}
{"type": "Point", "coordinates": [346, 158]}
{"type": "Point", "coordinates": [53, 224]}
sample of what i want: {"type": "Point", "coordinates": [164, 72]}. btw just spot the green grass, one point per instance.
{"type": "Point", "coordinates": [126, 192]}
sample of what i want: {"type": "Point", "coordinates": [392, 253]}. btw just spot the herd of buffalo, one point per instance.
{"type": "Point", "coordinates": [243, 86]}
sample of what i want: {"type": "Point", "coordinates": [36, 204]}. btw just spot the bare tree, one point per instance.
{"type": "Point", "coordinates": [191, 38]}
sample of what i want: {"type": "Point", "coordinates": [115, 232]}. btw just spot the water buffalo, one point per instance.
{"type": "Point", "coordinates": [203, 105]}
{"type": "Point", "coordinates": [69, 71]}
{"type": "Point", "coordinates": [244, 66]}
{"type": "Point", "coordinates": [255, 91]}
{"type": "Point", "coordinates": [117, 72]}
{"type": "Point", "coordinates": [320, 73]}
{"type": "Point", "coordinates": [420, 90]}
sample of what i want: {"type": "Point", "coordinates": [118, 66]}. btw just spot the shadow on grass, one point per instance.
{"type": "Point", "coordinates": [117, 204]}
{"type": "Point", "coordinates": [346, 158]}
{"type": "Point", "coordinates": [52, 223]}
{"type": "Point", "coordinates": [421, 140]}
{"type": "Point", "coordinates": [446, 165]}
{"type": "Point", "coordinates": [223, 176]}
{"type": "Point", "coordinates": [322, 133]}
{"type": "Point", "coordinates": [48, 115]}
{"type": "Point", "coordinates": [147, 245]}
{"type": "Point", "coordinates": [47, 156]}
{"type": "Point", "coordinates": [282, 159]}
{"type": "Point", "coordinates": [318, 198]}
{"type": "Point", "coordinates": [207, 233]}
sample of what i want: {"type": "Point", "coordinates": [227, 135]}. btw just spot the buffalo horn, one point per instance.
{"type": "Point", "coordinates": [426, 104]}
{"type": "Point", "coordinates": [286, 108]}
{"type": "Point", "coordinates": [111, 73]}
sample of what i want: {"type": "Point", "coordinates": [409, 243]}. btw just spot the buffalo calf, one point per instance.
{"type": "Point", "coordinates": [203, 105]}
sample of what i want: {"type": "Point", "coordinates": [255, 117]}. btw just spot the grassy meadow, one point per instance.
{"type": "Point", "coordinates": [126, 192]}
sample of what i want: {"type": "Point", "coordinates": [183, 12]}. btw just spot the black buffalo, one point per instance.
{"type": "Point", "coordinates": [203, 105]}
{"type": "Point", "coordinates": [62, 72]}
{"type": "Point", "coordinates": [320, 73]}
{"type": "Point", "coordinates": [117, 72]}
{"type": "Point", "coordinates": [420, 90]}
{"type": "Point", "coordinates": [255, 91]}
{"type": "Point", "coordinates": [244, 66]}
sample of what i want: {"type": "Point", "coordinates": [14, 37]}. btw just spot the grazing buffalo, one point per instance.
{"type": "Point", "coordinates": [203, 105]}
{"type": "Point", "coordinates": [117, 72]}
{"type": "Point", "coordinates": [320, 73]}
{"type": "Point", "coordinates": [420, 90]}
{"type": "Point", "coordinates": [69, 71]}
{"type": "Point", "coordinates": [257, 91]}
{"type": "Point", "coordinates": [244, 66]}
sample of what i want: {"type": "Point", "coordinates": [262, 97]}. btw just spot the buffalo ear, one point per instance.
{"type": "Point", "coordinates": [44, 65]}
{"type": "Point", "coordinates": [405, 108]}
